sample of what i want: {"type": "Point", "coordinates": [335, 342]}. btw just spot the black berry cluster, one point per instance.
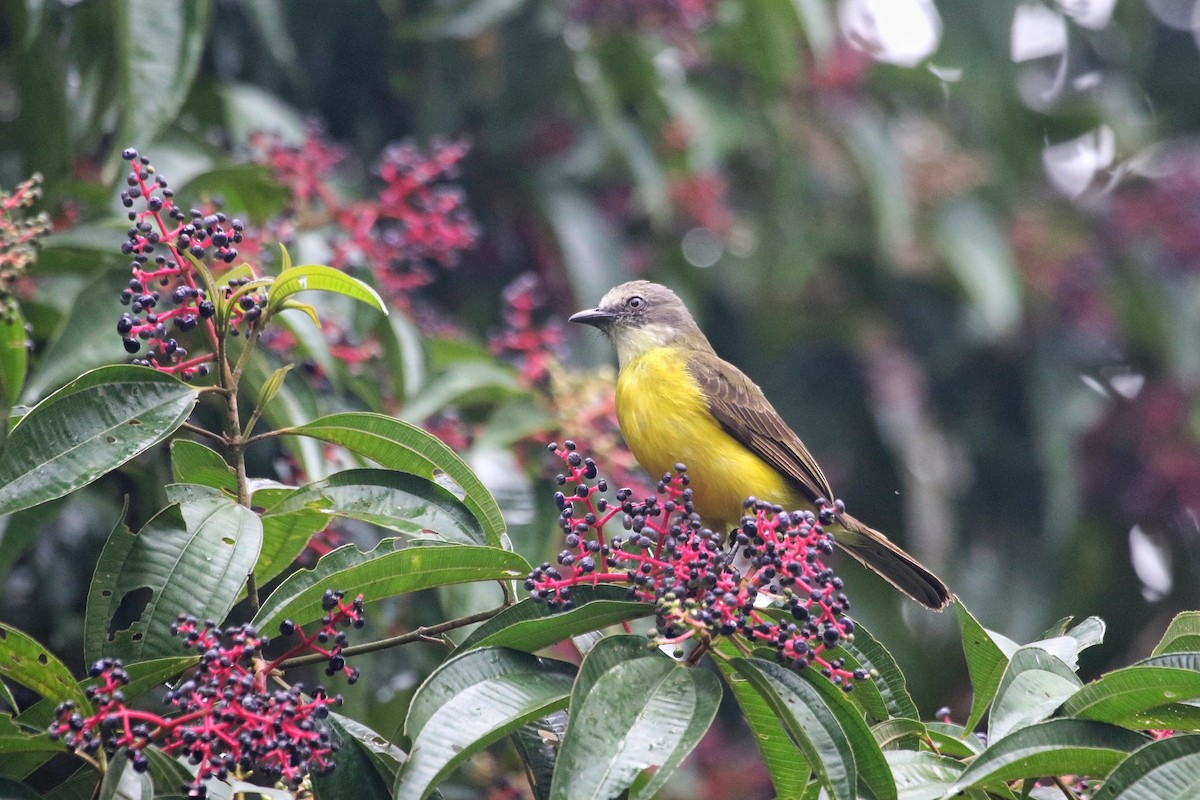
{"type": "Point", "coordinates": [767, 583]}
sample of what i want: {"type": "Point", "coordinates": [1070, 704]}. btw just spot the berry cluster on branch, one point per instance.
{"type": "Point", "coordinates": [228, 721]}
{"type": "Point", "coordinates": [765, 584]}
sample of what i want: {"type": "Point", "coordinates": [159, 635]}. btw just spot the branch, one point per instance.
{"type": "Point", "coordinates": [425, 633]}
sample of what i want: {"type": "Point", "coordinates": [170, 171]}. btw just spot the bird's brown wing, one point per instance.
{"type": "Point", "coordinates": [739, 405]}
{"type": "Point", "coordinates": [743, 411]}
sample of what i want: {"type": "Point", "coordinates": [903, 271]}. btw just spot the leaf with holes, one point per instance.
{"type": "Point", "coordinates": [26, 661]}
{"type": "Point", "coordinates": [191, 558]}
{"type": "Point", "coordinates": [89, 427]}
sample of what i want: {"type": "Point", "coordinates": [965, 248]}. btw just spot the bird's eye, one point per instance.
{"type": "Point", "coordinates": [635, 303]}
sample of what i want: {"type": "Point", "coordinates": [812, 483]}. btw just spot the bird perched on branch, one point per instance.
{"type": "Point", "coordinates": [679, 402]}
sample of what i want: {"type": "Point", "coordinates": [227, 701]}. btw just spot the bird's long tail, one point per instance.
{"type": "Point", "coordinates": [878, 554]}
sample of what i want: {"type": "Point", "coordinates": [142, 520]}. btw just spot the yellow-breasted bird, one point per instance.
{"type": "Point", "coordinates": [679, 402]}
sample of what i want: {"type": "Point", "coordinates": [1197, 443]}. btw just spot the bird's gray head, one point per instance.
{"type": "Point", "coordinates": [640, 316]}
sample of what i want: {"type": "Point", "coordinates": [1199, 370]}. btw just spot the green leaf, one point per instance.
{"type": "Point", "coordinates": [632, 709]}
{"type": "Point", "coordinates": [1121, 695]}
{"type": "Point", "coordinates": [1168, 769]}
{"type": "Point", "coordinates": [980, 257]}
{"type": "Point", "coordinates": [886, 682]}
{"type": "Point", "coordinates": [1033, 685]}
{"type": "Point", "coordinates": [985, 663]}
{"type": "Point", "coordinates": [812, 725]}
{"type": "Point", "coordinates": [315, 277]}
{"type": "Point", "coordinates": [537, 744]}
{"type": "Point", "coordinates": [922, 775]}
{"type": "Point", "coordinates": [192, 462]}
{"type": "Point", "coordinates": [245, 188]}
{"type": "Point", "coordinates": [400, 446]}
{"type": "Point", "coordinates": [285, 536]}
{"type": "Point", "coordinates": [1183, 634]}
{"type": "Point", "coordinates": [398, 501]}
{"type": "Point", "coordinates": [14, 356]}
{"type": "Point", "coordinates": [356, 776]}
{"type": "Point", "coordinates": [88, 428]}
{"type": "Point", "coordinates": [470, 701]}
{"type": "Point", "coordinates": [789, 770]}
{"type": "Point", "coordinates": [1057, 747]}
{"type": "Point", "coordinates": [192, 558]}
{"type": "Point", "coordinates": [122, 782]}
{"type": "Point", "coordinates": [12, 790]}
{"type": "Point", "coordinates": [465, 384]}
{"type": "Point", "coordinates": [404, 353]}
{"type": "Point", "coordinates": [272, 385]}
{"type": "Point", "coordinates": [75, 346]}
{"type": "Point", "coordinates": [893, 733]}
{"type": "Point", "coordinates": [159, 44]}
{"type": "Point", "coordinates": [954, 740]}
{"type": "Point", "coordinates": [384, 572]}
{"type": "Point", "coordinates": [80, 786]}
{"type": "Point", "coordinates": [26, 661]}
{"type": "Point", "coordinates": [530, 625]}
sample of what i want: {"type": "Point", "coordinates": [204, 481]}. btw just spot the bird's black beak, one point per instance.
{"type": "Point", "coordinates": [594, 317]}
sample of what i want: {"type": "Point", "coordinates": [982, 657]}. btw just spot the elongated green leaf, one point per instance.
{"type": "Point", "coordinates": [356, 777]}
{"type": "Point", "coordinates": [80, 786]}
{"type": "Point", "coordinates": [1033, 685]}
{"type": "Point", "coordinates": [1168, 769]}
{"type": "Point", "coordinates": [400, 446]}
{"type": "Point", "coordinates": [1178, 660]}
{"type": "Point", "coordinates": [886, 681]}
{"type": "Point", "coordinates": [314, 277]}
{"type": "Point", "coordinates": [874, 777]}
{"type": "Point", "coordinates": [383, 755]}
{"type": "Point", "coordinates": [272, 385]}
{"type": "Point", "coordinates": [802, 711]}
{"type": "Point", "coordinates": [284, 538]}
{"type": "Point", "coordinates": [191, 558]}
{"type": "Point", "coordinates": [89, 427]}
{"type": "Point", "coordinates": [890, 734]}
{"type": "Point", "coordinates": [788, 769]}
{"type": "Point", "coordinates": [981, 258]}
{"type": "Point", "coordinates": [14, 356]}
{"type": "Point", "coordinates": [954, 740]}
{"type": "Point", "coordinates": [398, 501]}
{"type": "Point", "coordinates": [632, 709]}
{"type": "Point", "coordinates": [160, 43]}
{"type": "Point", "coordinates": [384, 572]}
{"type": "Point", "coordinates": [470, 701]}
{"type": "Point", "coordinates": [1057, 747]}
{"type": "Point", "coordinates": [985, 662]}
{"type": "Point", "coordinates": [1183, 634]}
{"type": "Point", "coordinates": [465, 384]}
{"type": "Point", "coordinates": [248, 188]}
{"type": "Point", "coordinates": [1121, 695]}
{"type": "Point", "coordinates": [530, 625]}
{"type": "Point", "coordinates": [537, 744]}
{"type": "Point", "coordinates": [922, 775]}
{"type": "Point", "coordinates": [26, 661]}
{"type": "Point", "coordinates": [192, 462]}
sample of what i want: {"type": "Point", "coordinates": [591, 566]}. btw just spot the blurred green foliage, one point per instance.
{"type": "Point", "coordinates": [988, 339]}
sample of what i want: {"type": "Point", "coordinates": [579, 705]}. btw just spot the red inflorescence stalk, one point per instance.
{"type": "Point", "coordinates": [229, 720]}
{"type": "Point", "coordinates": [768, 584]}
{"type": "Point", "coordinates": [530, 346]}
{"type": "Point", "coordinates": [164, 296]}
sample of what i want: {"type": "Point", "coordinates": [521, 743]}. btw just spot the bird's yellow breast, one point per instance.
{"type": "Point", "coordinates": [664, 418]}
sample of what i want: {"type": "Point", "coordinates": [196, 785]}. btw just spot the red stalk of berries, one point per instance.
{"type": "Point", "coordinates": [228, 720]}
{"type": "Point", "coordinates": [522, 341]}
{"type": "Point", "coordinates": [164, 295]}
{"type": "Point", "coordinates": [694, 577]}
